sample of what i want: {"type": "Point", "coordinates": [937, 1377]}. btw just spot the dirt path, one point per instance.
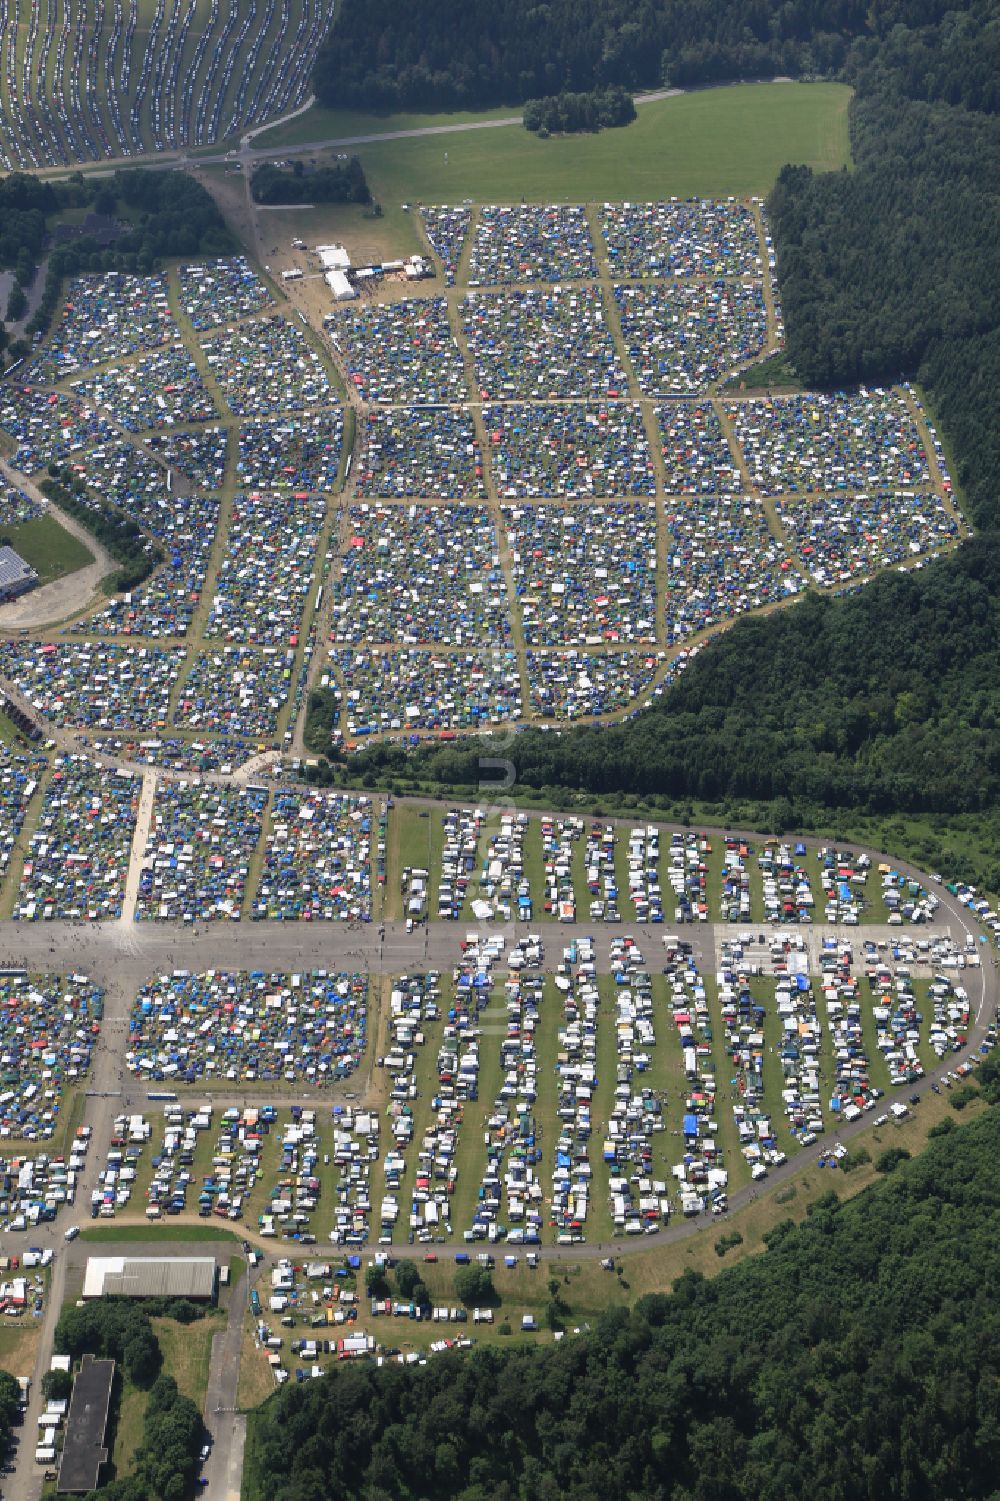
{"type": "Point", "coordinates": [143, 821]}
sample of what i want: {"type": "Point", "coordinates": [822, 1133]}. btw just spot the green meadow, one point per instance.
{"type": "Point", "coordinates": [712, 143]}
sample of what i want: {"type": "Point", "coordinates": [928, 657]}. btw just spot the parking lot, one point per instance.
{"type": "Point", "coordinates": [65, 103]}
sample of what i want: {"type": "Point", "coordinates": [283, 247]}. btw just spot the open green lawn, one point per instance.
{"type": "Point", "coordinates": [534, 868]}
{"type": "Point", "coordinates": [48, 547]}
{"type": "Point", "coordinates": [713, 878]}
{"type": "Point", "coordinates": [471, 1153]}
{"type": "Point", "coordinates": [128, 1428]}
{"type": "Point", "coordinates": [764, 990]}
{"type": "Point", "coordinates": [18, 1347]}
{"type": "Point", "coordinates": [599, 1226]}
{"type": "Point", "coordinates": [155, 1232]}
{"type": "Point", "coordinates": [411, 841]}
{"type": "Point", "coordinates": [725, 1094]}
{"type": "Point", "coordinates": [922, 991]}
{"type": "Point", "coordinates": [318, 124]}
{"type": "Point", "coordinates": [187, 1353]}
{"type": "Point", "coordinates": [715, 142]}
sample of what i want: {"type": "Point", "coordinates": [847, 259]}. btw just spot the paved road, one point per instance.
{"type": "Point", "coordinates": [224, 1467]}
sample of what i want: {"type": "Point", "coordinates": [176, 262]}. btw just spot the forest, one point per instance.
{"type": "Point", "coordinates": [165, 1463]}
{"type": "Point", "coordinates": [24, 203]}
{"type": "Point", "coordinates": [468, 54]}
{"type": "Point", "coordinates": [884, 701]}
{"type": "Point", "coordinates": [855, 1360]}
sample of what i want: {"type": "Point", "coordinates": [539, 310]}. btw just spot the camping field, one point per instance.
{"type": "Point", "coordinates": [714, 142]}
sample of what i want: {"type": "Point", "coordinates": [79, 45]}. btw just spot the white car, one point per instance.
{"type": "Point", "coordinates": [72, 1232]}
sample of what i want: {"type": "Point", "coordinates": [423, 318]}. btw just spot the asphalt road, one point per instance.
{"type": "Point", "coordinates": [224, 1467]}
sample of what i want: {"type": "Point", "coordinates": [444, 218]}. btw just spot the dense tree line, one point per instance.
{"type": "Point", "coordinates": [166, 1462]}
{"type": "Point", "coordinates": [883, 701]}
{"type": "Point", "coordinates": [24, 203]}
{"type": "Point", "coordinates": [855, 1360]}
{"type": "Point", "coordinates": [471, 53]}
{"type": "Point", "coordinates": [321, 714]}
{"type": "Point", "coordinates": [112, 1329]}
{"type": "Point", "coordinates": [165, 1465]}
{"type": "Point", "coordinates": [10, 1401]}
{"type": "Point", "coordinates": [566, 113]}
{"type": "Point", "coordinates": [888, 270]}
{"type": "Point", "coordinates": [343, 183]}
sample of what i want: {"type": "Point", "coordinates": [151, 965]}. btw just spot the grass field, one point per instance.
{"type": "Point", "coordinates": [48, 547]}
{"type": "Point", "coordinates": [256, 1382]}
{"type": "Point", "coordinates": [318, 124]}
{"type": "Point", "coordinates": [773, 374]}
{"type": "Point", "coordinates": [19, 1346]}
{"type": "Point", "coordinates": [155, 1232]}
{"type": "Point", "coordinates": [187, 1353]}
{"type": "Point", "coordinates": [128, 1428]}
{"type": "Point", "coordinates": [715, 142]}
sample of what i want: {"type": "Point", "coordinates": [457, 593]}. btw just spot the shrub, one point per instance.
{"type": "Point", "coordinates": [890, 1159]}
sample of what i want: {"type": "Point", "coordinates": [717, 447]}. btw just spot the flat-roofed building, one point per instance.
{"type": "Point", "coordinates": [84, 1451]}
{"type": "Point", "coordinates": [150, 1277]}
{"type": "Point", "coordinates": [16, 576]}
